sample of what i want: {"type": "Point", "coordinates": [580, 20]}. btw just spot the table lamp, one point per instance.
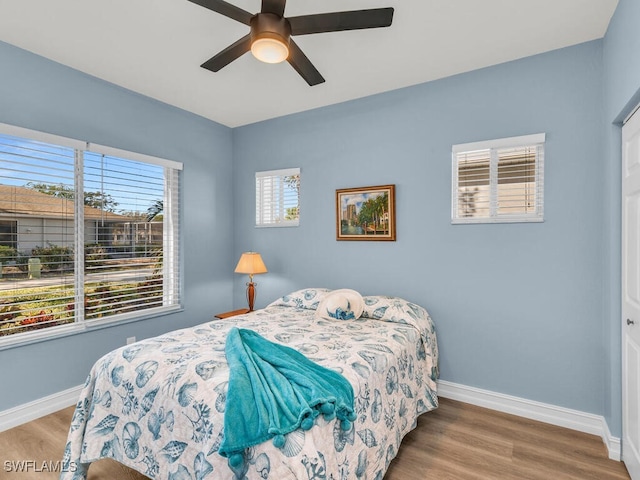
{"type": "Point", "coordinates": [251, 263]}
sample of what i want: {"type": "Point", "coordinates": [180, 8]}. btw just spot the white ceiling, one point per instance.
{"type": "Point", "coordinates": [156, 47]}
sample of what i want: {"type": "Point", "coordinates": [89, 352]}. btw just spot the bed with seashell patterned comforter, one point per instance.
{"type": "Point", "coordinates": [157, 406]}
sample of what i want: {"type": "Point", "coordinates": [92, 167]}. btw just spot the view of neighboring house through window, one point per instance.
{"type": "Point", "coordinates": [87, 234]}
{"type": "Point", "coordinates": [278, 198]}
{"type": "Point", "coordinates": [498, 180]}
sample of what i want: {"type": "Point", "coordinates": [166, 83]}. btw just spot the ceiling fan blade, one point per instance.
{"type": "Point", "coordinates": [339, 21]}
{"type": "Point", "coordinates": [303, 65]}
{"type": "Point", "coordinates": [229, 54]}
{"type": "Point", "coordinates": [273, 6]}
{"type": "Point", "coordinates": [226, 9]}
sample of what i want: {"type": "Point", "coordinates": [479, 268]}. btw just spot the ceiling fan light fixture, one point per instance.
{"type": "Point", "coordinates": [270, 37]}
{"type": "Point", "coordinates": [269, 50]}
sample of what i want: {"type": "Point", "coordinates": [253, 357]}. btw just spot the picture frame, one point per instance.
{"type": "Point", "coordinates": [366, 213]}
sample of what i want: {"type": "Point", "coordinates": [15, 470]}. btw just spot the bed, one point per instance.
{"type": "Point", "coordinates": [157, 406]}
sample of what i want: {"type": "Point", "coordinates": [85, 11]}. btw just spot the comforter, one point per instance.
{"type": "Point", "coordinates": [157, 406]}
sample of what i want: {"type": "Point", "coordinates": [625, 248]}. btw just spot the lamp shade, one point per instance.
{"type": "Point", "coordinates": [251, 263]}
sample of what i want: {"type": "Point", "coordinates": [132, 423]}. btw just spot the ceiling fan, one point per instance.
{"type": "Point", "coordinates": [270, 37]}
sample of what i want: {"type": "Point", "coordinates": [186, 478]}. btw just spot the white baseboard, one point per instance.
{"type": "Point", "coordinates": [563, 417]}
{"type": "Point", "coordinates": [543, 412]}
{"type": "Point", "coordinates": [38, 408]}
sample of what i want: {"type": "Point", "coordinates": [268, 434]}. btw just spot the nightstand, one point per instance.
{"type": "Point", "coordinates": [232, 313]}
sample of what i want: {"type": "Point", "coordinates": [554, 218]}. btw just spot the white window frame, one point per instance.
{"type": "Point", "coordinates": [172, 296]}
{"type": "Point", "coordinates": [537, 215]}
{"type": "Point", "coordinates": [265, 205]}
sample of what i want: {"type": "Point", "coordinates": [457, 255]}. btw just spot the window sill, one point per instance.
{"type": "Point", "coordinates": [278, 225]}
{"type": "Point", "coordinates": [459, 221]}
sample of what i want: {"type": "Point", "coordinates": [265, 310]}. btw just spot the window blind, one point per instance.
{"type": "Point", "coordinates": [498, 181]}
{"type": "Point", "coordinates": [37, 197]}
{"type": "Point", "coordinates": [126, 239]}
{"type": "Point", "coordinates": [88, 234]}
{"type": "Point", "coordinates": [277, 198]}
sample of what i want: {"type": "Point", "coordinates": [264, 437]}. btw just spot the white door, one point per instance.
{"type": "Point", "coordinates": [631, 295]}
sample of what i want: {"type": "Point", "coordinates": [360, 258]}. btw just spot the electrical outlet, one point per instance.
{"type": "Point", "coordinates": [131, 340]}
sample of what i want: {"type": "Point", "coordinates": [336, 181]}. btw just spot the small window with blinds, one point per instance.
{"type": "Point", "coordinates": [498, 181]}
{"type": "Point", "coordinates": [278, 198]}
{"type": "Point", "coordinates": [88, 234]}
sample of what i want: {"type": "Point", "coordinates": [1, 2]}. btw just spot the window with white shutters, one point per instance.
{"type": "Point", "coordinates": [498, 180]}
{"type": "Point", "coordinates": [278, 198]}
{"type": "Point", "coordinates": [88, 234]}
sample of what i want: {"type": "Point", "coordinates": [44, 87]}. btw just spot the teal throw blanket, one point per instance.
{"type": "Point", "coordinates": [274, 390]}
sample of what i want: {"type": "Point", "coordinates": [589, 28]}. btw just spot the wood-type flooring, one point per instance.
{"type": "Point", "coordinates": [457, 441]}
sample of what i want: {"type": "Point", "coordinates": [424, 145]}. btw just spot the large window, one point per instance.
{"type": "Point", "coordinates": [498, 180]}
{"type": "Point", "coordinates": [94, 235]}
{"type": "Point", "coordinates": [278, 198]}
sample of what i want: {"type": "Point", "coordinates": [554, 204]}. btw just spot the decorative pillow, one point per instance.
{"type": "Point", "coordinates": [343, 304]}
{"type": "Point", "coordinates": [307, 298]}
{"type": "Point", "coordinates": [393, 309]}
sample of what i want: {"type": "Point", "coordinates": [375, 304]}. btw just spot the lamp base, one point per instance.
{"type": "Point", "coordinates": [251, 294]}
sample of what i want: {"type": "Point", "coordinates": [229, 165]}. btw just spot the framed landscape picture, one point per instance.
{"type": "Point", "coordinates": [366, 213]}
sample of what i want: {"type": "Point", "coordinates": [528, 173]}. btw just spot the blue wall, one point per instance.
{"type": "Point", "coordinates": [42, 95]}
{"type": "Point", "coordinates": [518, 307]}
{"type": "Point", "coordinates": [622, 93]}
{"type": "Point", "coordinates": [527, 310]}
